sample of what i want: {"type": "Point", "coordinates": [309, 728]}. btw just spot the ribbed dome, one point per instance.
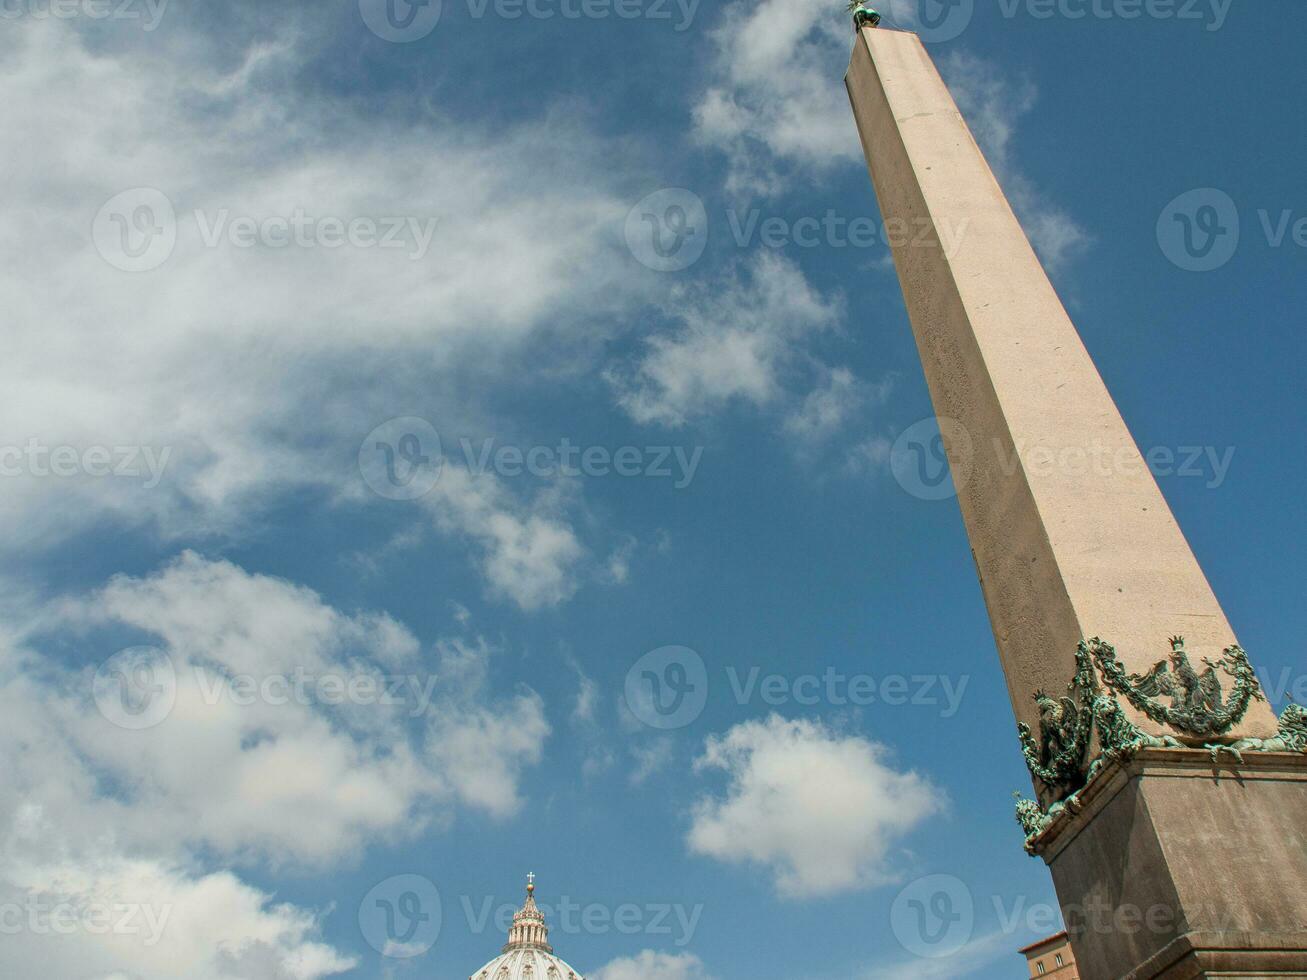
{"type": "Point", "coordinates": [526, 964]}
{"type": "Point", "coordinates": [527, 955]}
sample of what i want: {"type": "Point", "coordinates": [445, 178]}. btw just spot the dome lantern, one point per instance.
{"type": "Point", "coordinates": [529, 930]}
{"type": "Point", "coordinates": [527, 955]}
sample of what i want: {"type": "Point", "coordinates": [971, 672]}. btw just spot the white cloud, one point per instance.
{"type": "Point", "coordinates": [285, 773]}
{"type": "Point", "coordinates": [529, 553]}
{"type": "Point", "coordinates": [595, 742]}
{"type": "Point", "coordinates": [820, 810]}
{"type": "Point", "coordinates": [772, 108]}
{"type": "Point", "coordinates": [142, 918]}
{"type": "Point", "coordinates": [840, 399]}
{"type": "Point", "coordinates": [736, 343]}
{"type": "Point", "coordinates": [748, 339]}
{"type": "Point", "coordinates": [827, 407]}
{"type": "Point", "coordinates": [868, 455]}
{"type": "Point", "coordinates": [649, 965]}
{"type": "Point", "coordinates": [587, 696]}
{"type": "Point", "coordinates": [481, 747]}
{"type": "Point", "coordinates": [974, 956]}
{"type": "Point", "coordinates": [260, 370]}
{"type": "Point", "coordinates": [650, 758]}
{"type": "Point", "coordinates": [299, 773]}
{"type": "Point", "coordinates": [618, 569]}
{"type": "Point", "coordinates": [775, 96]}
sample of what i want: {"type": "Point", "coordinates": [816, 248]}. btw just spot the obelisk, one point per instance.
{"type": "Point", "coordinates": [1074, 541]}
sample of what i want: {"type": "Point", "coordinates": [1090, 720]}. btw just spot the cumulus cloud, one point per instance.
{"type": "Point", "coordinates": [736, 342]}
{"type": "Point", "coordinates": [250, 370]}
{"type": "Point", "coordinates": [256, 661]}
{"type": "Point", "coordinates": [820, 810]}
{"type": "Point", "coordinates": [290, 733]}
{"type": "Point", "coordinates": [649, 965]}
{"type": "Point", "coordinates": [118, 917]}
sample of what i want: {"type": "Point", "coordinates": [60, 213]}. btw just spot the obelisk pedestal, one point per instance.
{"type": "Point", "coordinates": [1073, 540]}
{"type": "Point", "coordinates": [1177, 868]}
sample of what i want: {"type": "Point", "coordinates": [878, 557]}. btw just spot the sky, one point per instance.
{"type": "Point", "coordinates": [446, 442]}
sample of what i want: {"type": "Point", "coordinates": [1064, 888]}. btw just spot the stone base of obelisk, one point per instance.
{"type": "Point", "coordinates": [1176, 868]}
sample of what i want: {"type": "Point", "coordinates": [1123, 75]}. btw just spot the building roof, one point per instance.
{"type": "Point", "coordinates": [1061, 937]}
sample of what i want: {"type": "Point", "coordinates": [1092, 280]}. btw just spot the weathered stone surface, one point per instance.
{"type": "Point", "coordinates": [1066, 548]}
{"type": "Point", "coordinates": [1198, 864]}
{"type": "Point", "coordinates": [1177, 868]}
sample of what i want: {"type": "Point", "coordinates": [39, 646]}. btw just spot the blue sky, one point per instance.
{"type": "Point", "coordinates": [328, 353]}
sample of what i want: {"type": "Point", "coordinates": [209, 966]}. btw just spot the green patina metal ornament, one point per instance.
{"type": "Point", "coordinates": [1057, 757]}
{"type": "Point", "coordinates": [1119, 739]}
{"type": "Point", "coordinates": [1034, 819]}
{"type": "Point", "coordinates": [1292, 737]}
{"type": "Point", "coordinates": [1198, 702]}
{"type": "Point", "coordinates": [863, 16]}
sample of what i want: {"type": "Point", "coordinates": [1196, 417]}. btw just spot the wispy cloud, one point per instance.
{"type": "Point", "coordinates": [971, 958]}
{"type": "Point", "coordinates": [772, 109]}
{"type": "Point", "coordinates": [650, 965]}
{"type": "Point", "coordinates": [262, 349]}
{"type": "Point", "coordinates": [737, 340]}
{"type": "Point", "coordinates": [771, 104]}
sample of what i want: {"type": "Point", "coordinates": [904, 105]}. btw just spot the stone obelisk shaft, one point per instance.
{"type": "Point", "coordinates": [1073, 539]}
{"type": "Point", "coordinates": [1071, 535]}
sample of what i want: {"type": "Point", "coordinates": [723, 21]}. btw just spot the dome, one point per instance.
{"type": "Point", "coordinates": [526, 964]}
{"type": "Point", "coordinates": [527, 955]}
